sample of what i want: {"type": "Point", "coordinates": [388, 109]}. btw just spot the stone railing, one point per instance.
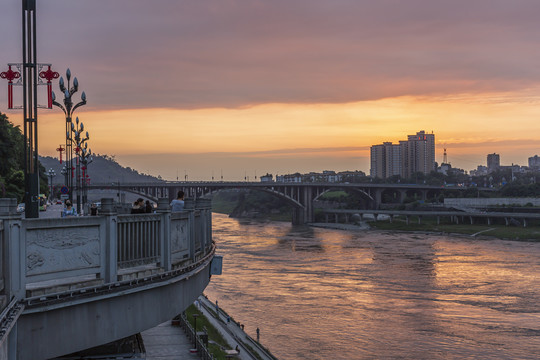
{"type": "Point", "coordinates": [43, 253]}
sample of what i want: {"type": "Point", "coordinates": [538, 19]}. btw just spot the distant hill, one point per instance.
{"type": "Point", "coordinates": [103, 169]}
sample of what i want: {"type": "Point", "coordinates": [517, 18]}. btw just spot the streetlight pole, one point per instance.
{"type": "Point", "coordinates": [51, 173]}
{"type": "Point", "coordinates": [75, 137]}
{"type": "Point", "coordinates": [29, 75]}
{"type": "Point", "coordinates": [68, 108]}
{"type": "Point", "coordinates": [86, 158]}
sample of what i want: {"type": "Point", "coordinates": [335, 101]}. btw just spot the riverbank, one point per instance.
{"type": "Point", "coordinates": [485, 232]}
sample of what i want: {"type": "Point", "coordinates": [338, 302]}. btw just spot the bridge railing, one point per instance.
{"type": "Point", "coordinates": [139, 239]}
{"type": "Point", "coordinates": [48, 253]}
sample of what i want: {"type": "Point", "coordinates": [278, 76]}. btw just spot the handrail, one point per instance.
{"type": "Point", "coordinates": [199, 345]}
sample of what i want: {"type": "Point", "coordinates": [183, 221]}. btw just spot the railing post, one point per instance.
{"type": "Point", "coordinates": [13, 251]}
{"type": "Point", "coordinates": [205, 207]}
{"type": "Point", "coordinates": [111, 240]}
{"type": "Point", "coordinates": [165, 234]}
{"type": "Point", "coordinates": [189, 206]}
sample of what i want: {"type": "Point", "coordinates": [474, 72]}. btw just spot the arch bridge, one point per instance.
{"type": "Point", "coordinates": [300, 195]}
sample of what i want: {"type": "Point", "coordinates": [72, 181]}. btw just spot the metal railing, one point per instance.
{"type": "Point", "coordinates": [199, 344]}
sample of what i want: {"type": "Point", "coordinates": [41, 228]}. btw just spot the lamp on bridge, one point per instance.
{"type": "Point", "coordinates": [86, 158]}
{"type": "Point", "coordinates": [80, 147]}
{"type": "Point", "coordinates": [68, 108]}
{"type": "Point", "coordinates": [51, 174]}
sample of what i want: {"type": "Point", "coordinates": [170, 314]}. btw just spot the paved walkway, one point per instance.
{"type": "Point", "coordinates": [232, 332]}
{"type": "Point", "coordinates": [167, 342]}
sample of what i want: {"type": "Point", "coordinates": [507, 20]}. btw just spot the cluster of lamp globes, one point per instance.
{"type": "Point", "coordinates": [68, 110]}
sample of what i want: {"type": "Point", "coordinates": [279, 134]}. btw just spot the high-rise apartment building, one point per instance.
{"type": "Point", "coordinates": [416, 154]}
{"type": "Point", "coordinates": [493, 162]}
{"type": "Point", "coordinates": [534, 162]}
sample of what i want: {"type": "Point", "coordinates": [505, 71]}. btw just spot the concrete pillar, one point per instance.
{"type": "Point", "coordinates": [189, 206]}
{"type": "Point", "coordinates": [524, 223]}
{"type": "Point", "coordinates": [419, 219]}
{"type": "Point", "coordinates": [336, 217]}
{"type": "Point", "coordinates": [506, 221]}
{"type": "Point", "coordinates": [378, 198]}
{"type": "Point", "coordinates": [391, 218]}
{"type": "Point", "coordinates": [402, 196]}
{"type": "Point", "coordinates": [471, 219]}
{"type": "Point", "coordinates": [489, 221]}
{"type": "Point", "coordinates": [407, 219]}
{"type": "Point", "coordinates": [111, 239]}
{"type": "Point", "coordinates": [12, 251]}
{"type": "Point", "coordinates": [164, 210]}
{"type": "Point", "coordinates": [438, 220]}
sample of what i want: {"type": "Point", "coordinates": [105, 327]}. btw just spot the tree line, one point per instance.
{"type": "Point", "coordinates": [12, 162]}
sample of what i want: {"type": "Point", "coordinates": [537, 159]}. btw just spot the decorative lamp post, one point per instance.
{"type": "Point", "coordinates": [86, 158]}
{"type": "Point", "coordinates": [51, 174]}
{"type": "Point", "coordinates": [80, 145]}
{"type": "Point", "coordinates": [65, 174]}
{"type": "Point", "coordinates": [68, 108]}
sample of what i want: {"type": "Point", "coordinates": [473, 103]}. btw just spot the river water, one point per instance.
{"type": "Point", "coordinates": [333, 294]}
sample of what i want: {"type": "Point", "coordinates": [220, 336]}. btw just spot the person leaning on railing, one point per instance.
{"type": "Point", "coordinates": [178, 203]}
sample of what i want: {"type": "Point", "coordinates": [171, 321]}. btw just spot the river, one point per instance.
{"type": "Point", "coordinates": [333, 294]}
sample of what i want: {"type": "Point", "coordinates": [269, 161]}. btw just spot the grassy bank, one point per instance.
{"type": "Point", "coordinates": [216, 341]}
{"type": "Point", "coordinates": [531, 233]}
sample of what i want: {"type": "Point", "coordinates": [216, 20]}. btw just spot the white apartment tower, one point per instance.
{"type": "Point", "coordinates": [416, 154]}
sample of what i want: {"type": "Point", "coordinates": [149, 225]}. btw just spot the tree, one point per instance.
{"type": "Point", "coordinates": [12, 164]}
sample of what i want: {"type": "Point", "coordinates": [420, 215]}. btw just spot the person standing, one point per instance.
{"type": "Point", "coordinates": [148, 207]}
{"type": "Point", "coordinates": [178, 203]}
{"type": "Point", "coordinates": [69, 210]}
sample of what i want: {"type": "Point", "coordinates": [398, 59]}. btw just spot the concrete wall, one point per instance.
{"type": "Point", "coordinates": [482, 202]}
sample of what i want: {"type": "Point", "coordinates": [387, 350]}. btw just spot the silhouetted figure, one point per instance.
{"type": "Point", "coordinates": [93, 209]}
{"type": "Point", "coordinates": [148, 207]}
{"type": "Point", "coordinates": [138, 207]}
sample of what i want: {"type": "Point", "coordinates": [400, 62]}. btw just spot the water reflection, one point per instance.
{"type": "Point", "coordinates": [328, 294]}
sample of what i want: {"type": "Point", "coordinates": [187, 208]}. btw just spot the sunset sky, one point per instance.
{"type": "Point", "coordinates": [246, 87]}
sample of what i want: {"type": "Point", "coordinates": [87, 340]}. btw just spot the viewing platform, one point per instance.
{"type": "Point", "coordinates": [69, 284]}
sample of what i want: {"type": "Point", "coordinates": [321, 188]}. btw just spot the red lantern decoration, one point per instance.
{"type": "Point", "coordinates": [10, 75]}
{"type": "Point", "coordinates": [60, 150]}
{"type": "Point", "coordinates": [49, 75]}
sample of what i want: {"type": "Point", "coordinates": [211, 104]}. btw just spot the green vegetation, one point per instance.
{"type": "Point", "coordinates": [530, 233]}
{"type": "Point", "coordinates": [252, 204]}
{"type": "Point", "coordinates": [12, 164]}
{"type": "Point", "coordinates": [216, 342]}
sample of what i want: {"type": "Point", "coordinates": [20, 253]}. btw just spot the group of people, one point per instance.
{"type": "Point", "coordinates": [139, 206]}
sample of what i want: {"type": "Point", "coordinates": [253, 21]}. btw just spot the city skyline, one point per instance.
{"type": "Point", "coordinates": [248, 87]}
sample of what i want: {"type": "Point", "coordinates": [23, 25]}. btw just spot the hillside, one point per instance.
{"type": "Point", "coordinates": [103, 169]}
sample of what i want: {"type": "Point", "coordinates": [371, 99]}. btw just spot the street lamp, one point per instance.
{"type": "Point", "coordinates": [79, 141]}
{"type": "Point", "coordinates": [195, 327]}
{"type": "Point", "coordinates": [86, 158]}
{"type": "Point", "coordinates": [51, 173]}
{"type": "Point", "coordinates": [68, 108]}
